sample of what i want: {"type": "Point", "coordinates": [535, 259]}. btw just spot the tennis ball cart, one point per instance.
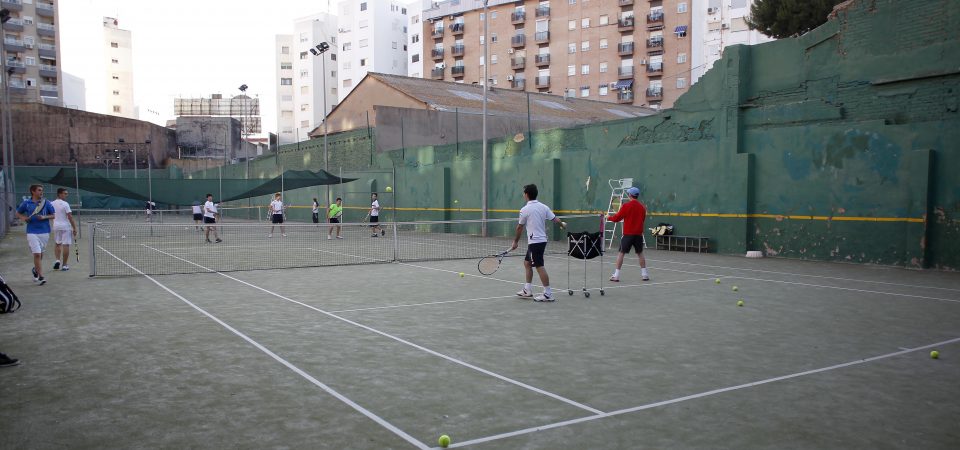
{"type": "Point", "coordinates": [585, 245]}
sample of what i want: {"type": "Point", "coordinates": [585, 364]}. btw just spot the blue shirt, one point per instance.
{"type": "Point", "coordinates": [35, 225]}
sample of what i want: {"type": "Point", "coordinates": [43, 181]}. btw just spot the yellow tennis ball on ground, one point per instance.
{"type": "Point", "coordinates": [740, 303]}
{"type": "Point", "coordinates": [389, 189]}
{"type": "Point", "coordinates": [461, 274]}
{"type": "Point", "coordinates": [934, 354]}
{"type": "Point", "coordinates": [717, 281]}
{"type": "Point", "coordinates": [444, 441]}
{"type": "Point", "coordinates": [456, 201]}
{"type": "Point", "coordinates": [735, 289]}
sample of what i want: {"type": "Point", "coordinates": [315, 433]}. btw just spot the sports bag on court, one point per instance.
{"type": "Point", "coordinates": [662, 229]}
{"type": "Point", "coordinates": [8, 300]}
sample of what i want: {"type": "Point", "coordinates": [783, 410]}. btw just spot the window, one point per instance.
{"type": "Point", "coordinates": [363, 62]}
{"type": "Point", "coordinates": [585, 22]}
{"type": "Point", "coordinates": [114, 45]}
{"type": "Point", "coordinates": [603, 43]}
{"type": "Point", "coordinates": [603, 67]}
{"type": "Point", "coordinates": [572, 25]}
{"type": "Point", "coordinates": [28, 20]}
{"type": "Point", "coordinates": [31, 61]}
{"type": "Point", "coordinates": [347, 83]}
{"type": "Point", "coordinates": [481, 39]}
{"type": "Point", "coordinates": [571, 48]}
{"type": "Point", "coordinates": [482, 18]}
{"type": "Point", "coordinates": [681, 83]}
{"type": "Point", "coordinates": [681, 58]}
{"type": "Point", "coordinates": [333, 57]}
{"type": "Point", "coordinates": [304, 124]}
{"type": "Point", "coordinates": [304, 89]}
{"type": "Point", "coordinates": [584, 91]}
{"type": "Point", "coordinates": [571, 70]}
{"type": "Point", "coordinates": [414, 39]}
{"type": "Point", "coordinates": [364, 42]}
{"type": "Point", "coordinates": [286, 66]}
{"type": "Point", "coordinates": [116, 92]}
{"type": "Point", "coordinates": [303, 37]}
{"type": "Point", "coordinates": [346, 46]}
{"type": "Point", "coordinates": [115, 61]}
{"type": "Point", "coordinates": [584, 46]}
{"type": "Point", "coordinates": [364, 23]}
{"type": "Point", "coordinates": [394, 44]}
{"type": "Point", "coordinates": [286, 82]}
{"type": "Point", "coordinates": [304, 73]}
{"type": "Point", "coordinates": [604, 20]}
{"type": "Point", "coordinates": [287, 131]}
{"type": "Point", "coordinates": [415, 58]}
{"type": "Point", "coordinates": [680, 31]}
{"type": "Point", "coordinates": [493, 59]}
{"type": "Point", "coordinates": [346, 65]}
{"type": "Point", "coordinates": [493, 38]}
{"type": "Point", "coordinates": [116, 108]}
{"type": "Point", "coordinates": [286, 98]}
{"type": "Point", "coordinates": [573, 2]}
{"type": "Point", "coordinates": [304, 107]}
{"type": "Point", "coordinates": [116, 77]}
{"type": "Point", "coordinates": [682, 7]}
{"type": "Point", "coordinates": [415, 18]}
{"type": "Point", "coordinates": [493, 15]}
{"type": "Point", "coordinates": [403, 11]}
{"type": "Point", "coordinates": [603, 90]}
{"type": "Point", "coordinates": [363, 6]}
{"type": "Point", "coordinates": [585, 69]}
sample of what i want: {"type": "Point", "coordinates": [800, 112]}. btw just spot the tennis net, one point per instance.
{"type": "Point", "coordinates": [126, 248]}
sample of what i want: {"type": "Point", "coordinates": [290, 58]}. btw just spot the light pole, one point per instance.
{"type": "Point", "coordinates": [243, 127]}
{"type": "Point", "coordinates": [119, 158]}
{"type": "Point", "coordinates": [319, 50]}
{"type": "Point", "coordinates": [6, 128]}
{"type": "Point", "coordinates": [135, 165]}
{"type": "Point", "coordinates": [483, 176]}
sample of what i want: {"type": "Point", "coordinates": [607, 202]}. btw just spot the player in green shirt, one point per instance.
{"type": "Point", "coordinates": [334, 213]}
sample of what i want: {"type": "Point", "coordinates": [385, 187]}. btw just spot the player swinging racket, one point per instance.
{"type": "Point", "coordinates": [36, 212]}
{"type": "Point", "coordinates": [64, 230]}
{"type": "Point", "coordinates": [633, 214]}
{"type": "Point", "coordinates": [276, 215]}
{"type": "Point", "coordinates": [375, 216]}
{"type": "Point", "coordinates": [334, 213]}
{"type": "Point", "coordinates": [210, 218]}
{"type": "Point", "coordinates": [533, 216]}
{"type": "Point", "coordinates": [198, 216]}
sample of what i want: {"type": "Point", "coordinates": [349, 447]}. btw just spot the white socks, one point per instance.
{"type": "Point", "coordinates": [643, 272]}
{"type": "Point", "coordinates": [526, 287]}
{"type": "Point", "coordinates": [616, 272]}
{"type": "Point", "coordinates": [547, 291]}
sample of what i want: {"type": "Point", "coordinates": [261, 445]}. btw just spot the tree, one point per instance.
{"type": "Point", "coordinates": [786, 18]}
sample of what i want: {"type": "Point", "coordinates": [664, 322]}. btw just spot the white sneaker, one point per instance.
{"type": "Point", "coordinates": [524, 293]}
{"type": "Point", "coordinates": [65, 268]}
{"type": "Point", "coordinates": [543, 298]}
{"type": "Point", "coordinates": [328, 237]}
{"type": "Point", "coordinates": [284, 235]}
{"type": "Point", "coordinates": [270, 235]}
{"type": "Point", "coordinates": [614, 278]}
{"type": "Point", "coordinates": [339, 237]}
{"type": "Point", "coordinates": [646, 278]}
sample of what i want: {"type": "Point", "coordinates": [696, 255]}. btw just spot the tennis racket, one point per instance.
{"type": "Point", "coordinates": [40, 206]}
{"type": "Point", "coordinates": [76, 249]}
{"type": "Point", "coordinates": [366, 218]}
{"type": "Point", "coordinates": [489, 264]}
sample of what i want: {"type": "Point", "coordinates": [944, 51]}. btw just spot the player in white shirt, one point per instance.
{"type": "Point", "coordinates": [276, 215]}
{"type": "Point", "coordinates": [210, 218]}
{"type": "Point", "coordinates": [375, 216]}
{"type": "Point", "coordinates": [64, 230]}
{"type": "Point", "coordinates": [198, 216]}
{"type": "Point", "coordinates": [533, 216]}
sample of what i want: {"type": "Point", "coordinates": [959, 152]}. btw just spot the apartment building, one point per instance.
{"type": "Point", "coordinates": [302, 76]}
{"type": "Point", "coordinates": [623, 51]}
{"type": "Point", "coordinates": [718, 24]}
{"type": "Point", "coordinates": [372, 38]}
{"type": "Point", "coordinates": [118, 76]}
{"type": "Point", "coordinates": [31, 51]}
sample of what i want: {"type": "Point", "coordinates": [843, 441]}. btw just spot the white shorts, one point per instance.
{"type": "Point", "coordinates": [63, 237]}
{"type": "Point", "coordinates": [37, 242]}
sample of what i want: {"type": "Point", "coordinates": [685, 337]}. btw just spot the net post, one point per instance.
{"type": "Point", "coordinates": [396, 243]}
{"type": "Point", "coordinates": [92, 258]}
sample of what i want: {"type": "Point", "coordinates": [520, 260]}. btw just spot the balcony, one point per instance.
{"type": "Point", "coordinates": [436, 53]}
{"type": "Point", "coordinates": [543, 11]}
{"type": "Point", "coordinates": [625, 24]}
{"type": "Point", "coordinates": [541, 37]}
{"type": "Point", "coordinates": [518, 17]}
{"type": "Point", "coordinates": [456, 28]}
{"type": "Point", "coordinates": [654, 93]}
{"type": "Point", "coordinates": [17, 87]}
{"type": "Point", "coordinates": [625, 48]}
{"type": "Point", "coordinates": [436, 74]}
{"type": "Point", "coordinates": [44, 9]}
{"type": "Point", "coordinates": [47, 50]}
{"type": "Point", "coordinates": [457, 71]}
{"type": "Point", "coordinates": [625, 96]}
{"type": "Point", "coordinates": [519, 40]}
{"type": "Point", "coordinates": [655, 43]}
{"type": "Point", "coordinates": [625, 72]}
{"type": "Point", "coordinates": [457, 50]}
{"type": "Point", "coordinates": [46, 29]}
{"type": "Point", "coordinates": [518, 63]}
{"type": "Point", "coordinates": [12, 5]}
{"type": "Point", "coordinates": [16, 67]}
{"type": "Point", "coordinates": [48, 71]}
{"type": "Point", "coordinates": [437, 33]}
{"type": "Point", "coordinates": [542, 60]}
{"type": "Point", "coordinates": [655, 70]}
{"type": "Point", "coordinates": [655, 18]}
{"type": "Point", "coordinates": [518, 83]}
{"type": "Point", "coordinates": [625, 2]}
{"type": "Point", "coordinates": [14, 24]}
{"type": "Point", "coordinates": [49, 90]}
{"type": "Point", "coordinates": [543, 81]}
{"type": "Point", "coordinates": [13, 45]}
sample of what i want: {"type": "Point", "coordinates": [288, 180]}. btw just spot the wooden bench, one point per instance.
{"type": "Point", "coordinates": [684, 243]}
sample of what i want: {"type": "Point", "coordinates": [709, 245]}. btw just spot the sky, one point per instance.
{"type": "Point", "coordinates": [184, 48]}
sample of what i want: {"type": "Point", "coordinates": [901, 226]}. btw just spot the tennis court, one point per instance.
{"type": "Point", "coordinates": [393, 355]}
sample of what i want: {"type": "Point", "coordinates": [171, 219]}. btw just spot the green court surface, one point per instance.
{"type": "Point", "coordinates": [394, 355]}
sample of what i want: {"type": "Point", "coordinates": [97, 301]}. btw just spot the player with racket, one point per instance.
{"type": "Point", "coordinates": [276, 215]}
{"type": "Point", "coordinates": [374, 216]}
{"type": "Point", "coordinates": [334, 215]}
{"type": "Point", "coordinates": [38, 227]}
{"type": "Point", "coordinates": [210, 219]}
{"type": "Point", "coordinates": [64, 230]}
{"type": "Point", "coordinates": [533, 217]}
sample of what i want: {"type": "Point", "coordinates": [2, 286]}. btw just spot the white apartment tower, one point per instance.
{"type": "Point", "coordinates": [716, 25]}
{"type": "Point", "coordinates": [31, 51]}
{"type": "Point", "coordinates": [118, 76]}
{"type": "Point", "coordinates": [303, 76]}
{"type": "Point", "coordinates": [415, 38]}
{"type": "Point", "coordinates": [372, 38]}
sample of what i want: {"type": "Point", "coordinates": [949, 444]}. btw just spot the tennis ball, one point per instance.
{"type": "Point", "coordinates": [123, 237]}
{"type": "Point", "coordinates": [456, 201]}
{"type": "Point", "coordinates": [461, 274]}
{"type": "Point", "coordinates": [717, 281]}
{"type": "Point", "coordinates": [389, 189]}
{"type": "Point", "coordinates": [740, 303]}
{"type": "Point", "coordinates": [735, 289]}
{"type": "Point", "coordinates": [934, 354]}
{"type": "Point", "coordinates": [444, 441]}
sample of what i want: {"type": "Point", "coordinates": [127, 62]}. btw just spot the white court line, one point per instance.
{"type": "Point", "coordinates": [867, 291]}
{"type": "Point", "coordinates": [286, 363]}
{"type": "Point", "coordinates": [395, 338]}
{"type": "Point", "coordinates": [805, 275]}
{"type": "Point", "coordinates": [695, 396]}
